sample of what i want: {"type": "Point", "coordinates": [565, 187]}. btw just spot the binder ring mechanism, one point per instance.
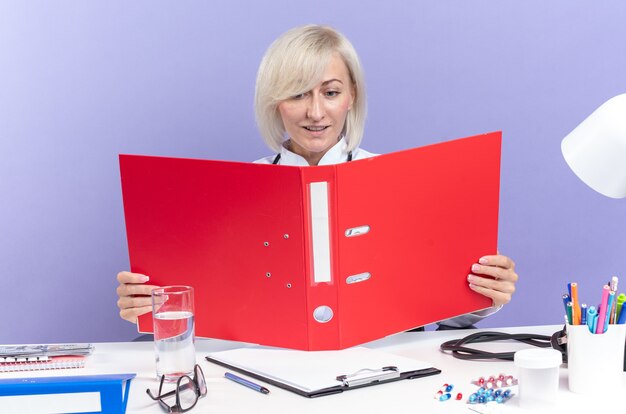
{"type": "Point", "coordinates": [369, 376]}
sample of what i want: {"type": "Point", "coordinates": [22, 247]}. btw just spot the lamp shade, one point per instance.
{"type": "Point", "coordinates": [596, 149]}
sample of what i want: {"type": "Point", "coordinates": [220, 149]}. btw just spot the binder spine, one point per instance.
{"type": "Point", "coordinates": [319, 189]}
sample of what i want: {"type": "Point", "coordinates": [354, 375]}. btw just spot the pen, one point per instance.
{"type": "Point", "coordinates": [566, 299]}
{"type": "Point", "coordinates": [609, 306]}
{"type": "Point", "coordinates": [569, 317]}
{"type": "Point", "coordinates": [575, 307]}
{"type": "Point", "coordinates": [613, 286]}
{"type": "Point", "coordinates": [246, 383]}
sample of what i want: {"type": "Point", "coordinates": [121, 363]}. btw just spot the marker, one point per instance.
{"type": "Point", "coordinates": [621, 298]}
{"type": "Point", "coordinates": [594, 325]}
{"type": "Point", "coordinates": [246, 383]}
{"type": "Point", "coordinates": [622, 316]}
{"type": "Point", "coordinates": [591, 317]}
{"type": "Point", "coordinates": [602, 309]}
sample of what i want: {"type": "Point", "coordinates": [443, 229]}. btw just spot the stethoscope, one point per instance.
{"type": "Point", "coordinates": [277, 158]}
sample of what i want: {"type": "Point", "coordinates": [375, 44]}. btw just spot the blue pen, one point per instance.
{"type": "Point", "coordinates": [609, 305]}
{"type": "Point", "coordinates": [246, 383]}
{"type": "Point", "coordinates": [566, 299]}
{"type": "Point", "coordinates": [591, 317]}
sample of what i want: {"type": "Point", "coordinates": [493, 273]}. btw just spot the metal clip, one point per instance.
{"type": "Point", "coordinates": [369, 376]}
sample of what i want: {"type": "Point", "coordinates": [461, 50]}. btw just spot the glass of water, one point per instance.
{"type": "Point", "coordinates": [174, 331]}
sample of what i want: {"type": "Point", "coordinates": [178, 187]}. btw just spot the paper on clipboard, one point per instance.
{"type": "Point", "coordinates": [315, 371]}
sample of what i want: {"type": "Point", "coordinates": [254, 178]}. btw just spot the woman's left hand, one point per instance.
{"type": "Point", "coordinates": [499, 285]}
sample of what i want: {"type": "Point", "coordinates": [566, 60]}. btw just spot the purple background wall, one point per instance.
{"type": "Point", "coordinates": [81, 82]}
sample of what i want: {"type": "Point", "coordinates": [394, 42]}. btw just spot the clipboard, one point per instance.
{"type": "Point", "coordinates": [278, 369]}
{"type": "Point", "coordinates": [317, 258]}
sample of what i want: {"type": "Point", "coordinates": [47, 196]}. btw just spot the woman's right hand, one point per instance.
{"type": "Point", "coordinates": [134, 295]}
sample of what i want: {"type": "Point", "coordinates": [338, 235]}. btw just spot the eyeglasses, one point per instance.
{"type": "Point", "coordinates": [187, 392]}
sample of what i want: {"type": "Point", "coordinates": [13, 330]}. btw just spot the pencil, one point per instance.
{"type": "Point", "coordinates": [575, 308]}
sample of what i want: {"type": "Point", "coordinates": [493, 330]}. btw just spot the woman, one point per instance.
{"type": "Point", "coordinates": [310, 108]}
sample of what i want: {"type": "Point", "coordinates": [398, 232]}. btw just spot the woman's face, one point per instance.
{"type": "Point", "coordinates": [314, 120]}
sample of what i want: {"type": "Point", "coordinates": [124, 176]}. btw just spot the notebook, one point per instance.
{"type": "Point", "coordinates": [43, 363]}
{"type": "Point", "coordinates": [43, 357]}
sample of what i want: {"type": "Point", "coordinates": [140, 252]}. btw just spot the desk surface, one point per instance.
{"type": "Point", "coordinates": [409, 396]}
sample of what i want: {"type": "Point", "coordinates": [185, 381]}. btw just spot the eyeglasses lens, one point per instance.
{"type": "Point", "coordinates": [187, 392]}
{"type": "Point", "coordinates": [200, 381]}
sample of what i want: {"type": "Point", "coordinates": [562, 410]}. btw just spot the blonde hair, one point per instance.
{"type": "Point", "coordinates": [293, 64]}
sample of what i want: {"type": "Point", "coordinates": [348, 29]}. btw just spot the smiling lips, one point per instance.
{"type": "Point", "coordinates": [315, 130]}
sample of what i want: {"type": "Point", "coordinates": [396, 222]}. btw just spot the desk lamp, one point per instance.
{"type": "Point", "coordinates": [596, 149]}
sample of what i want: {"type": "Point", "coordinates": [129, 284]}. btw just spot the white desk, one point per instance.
{"type": "Point", "coordinates": [408, 396]}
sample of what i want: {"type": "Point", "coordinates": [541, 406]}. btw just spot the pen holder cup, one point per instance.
{"type": "Point", "coordinates": [594, 360]}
